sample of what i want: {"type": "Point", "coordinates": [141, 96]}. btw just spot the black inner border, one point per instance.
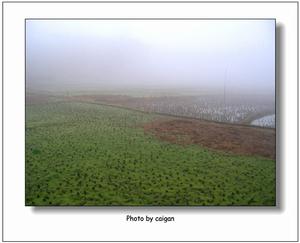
{"type": "Point", "coordinates": [158, 19]}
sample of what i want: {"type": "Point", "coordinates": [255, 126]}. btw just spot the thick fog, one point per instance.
{"type": "Point", "coordinates": [111, 54]}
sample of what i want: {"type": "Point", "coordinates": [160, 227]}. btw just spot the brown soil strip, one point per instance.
{"type": "Point", "coordinates": [224, 137]}
{"type": "Point", "coordinates": [38, 99]}
{"type": "Point", "coordinates": [32, 99]}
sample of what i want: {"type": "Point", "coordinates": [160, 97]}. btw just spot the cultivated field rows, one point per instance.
{"type": "Point", "coordinates": [92, 154]}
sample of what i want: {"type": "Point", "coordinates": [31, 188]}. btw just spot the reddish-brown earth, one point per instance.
{"type": "Point", "coordinates": [237, 139]}
{"type": "Point", "coordinates": [32, 99]}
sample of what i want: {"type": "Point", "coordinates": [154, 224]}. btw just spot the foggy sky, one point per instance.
{"type": "Point", "coordinates": [83, 54]}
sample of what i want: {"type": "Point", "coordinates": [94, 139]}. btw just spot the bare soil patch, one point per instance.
{"type": "Point", "coordinates": [110, 99]}
{"type": "Point", "coordinates": [236, 139]}
{"type": "Point", "coordinates": [33, 99]}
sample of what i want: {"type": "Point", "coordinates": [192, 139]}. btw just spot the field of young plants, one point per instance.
{"type": "Point", "coordinates": [90, 154]}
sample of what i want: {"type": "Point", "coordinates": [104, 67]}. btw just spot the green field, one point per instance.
{"type": "Point", "coordinates": [89, 154]}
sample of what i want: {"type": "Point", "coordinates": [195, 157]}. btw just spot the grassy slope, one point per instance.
{"type": "Point", "coordinates": [85, 154]}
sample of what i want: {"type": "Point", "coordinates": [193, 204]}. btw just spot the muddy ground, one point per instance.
{"type": "Point", "coordinates": [244, 140]}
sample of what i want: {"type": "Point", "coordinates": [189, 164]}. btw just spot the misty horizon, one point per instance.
{"type": "Point", "coordinates": [68, 55]}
